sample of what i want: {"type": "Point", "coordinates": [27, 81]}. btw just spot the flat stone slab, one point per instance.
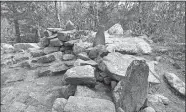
{"type": "Point", "coordinates": [87, 104]}
{"type": "Point", "coordinates": [80, 75]}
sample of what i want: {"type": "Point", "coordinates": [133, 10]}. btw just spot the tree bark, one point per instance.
{"type": "Point", "coordinates": [57, 15]}
{"type": "Point", "coordinates": [16, 24]}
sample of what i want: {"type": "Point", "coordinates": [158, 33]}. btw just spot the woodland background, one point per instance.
{"type": "Point", "coordinates": [163, 22]}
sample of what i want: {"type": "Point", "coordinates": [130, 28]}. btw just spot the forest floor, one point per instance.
{"type": "Point", "coordinates": [41, 86]}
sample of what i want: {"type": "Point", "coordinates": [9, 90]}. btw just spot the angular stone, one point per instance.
{"type": "Point", "coordinates": [80, 75]}
{"type": "Point", "coordinates": [58, 55]}
{"type": "Point", "coordinates": [98, 76]}
{"type": "Point", "coordinates": [80, 62]}
{"type": "Point", "coordinates": [107, 80]}
{"type": "Point", "coordinates": [25, 46]}
{"type": "Point", "coordinates": [81, 47]}
{"type": "Point", "coordinates": [18, 57]}
{"type": "Point", "coordinates": [128, 45]}
{"type": "Point", "coordinates": [70, 43]}
{"type": "Point", "coordinates": [59, 105]}
{"type": "Point", "coordinates": [62, 49]}
{"type": "Point", "coordinates": [58, 68]}
{"type": "Point", "coordinates": [55, 42]}
{"type": "Point", "coordinates": [65, 36]}
{"type": "Point", "coordinates": [130, 93]}
{"type": "Point", "coordinates": [68, 90]}
{"type": "Point", "coordinates": [120, 110]}
{"type": "Point", "coordinates": [44, 42]}
{"type": "Point", "coordinates": [52, 37]}
{"type": "Point", "coordinates": [116, 30]}
{"type": "Point", "coordinates": [87, 104]}
{"type": "Point", "coordinates": [45, 71]}
{"type": "Point", "coordinates": [55, 30]}
{"type": "Point", "coordinates": [67, 57]}
{"type": "Point", "coordinates": [115, 65]}
{"type": "Point", "coordinates": [113, 84]}
{"type": "Point", "coordinates": [83, 56]}
{"type": "Point", "coordinates": [148, 109]}
{"type": "Point", "coordinates": [48, 50]}
{"type": "Point", "coordinates": [47, 33]}
{"type": "Point", "coordinates": [85, 91]}
{"type": "Point", "coordinates": [69, 63]}
{"type": "Point", "coordinates": [99, 50]}
{"type": "Point", "coordinates": [158, 98]}
{"type": "Point", "coordinates": [69, 26]}
{"type": "Point", "coordinates": [44, 59]}
{"type": "Point", "coordinates": [175, 82]}
{"type": "Point", "coordinates": [37, 53]}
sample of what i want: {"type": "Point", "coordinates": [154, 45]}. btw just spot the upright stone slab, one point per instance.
{"type": "Point", "coordinates": [130, 93]}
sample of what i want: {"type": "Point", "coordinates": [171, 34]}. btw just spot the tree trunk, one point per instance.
{"type": "Point", "coordinates": [57, 15]}
{"type": "Point", "coordinates": [17, 31]}
{"type": "Point", "coordinates": [16, 24]}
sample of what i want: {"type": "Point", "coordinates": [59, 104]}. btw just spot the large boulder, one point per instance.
{"type": "Point", "coordinates": [81, 47]}
{"type": "Point", "coordinates": [80, 75]}
{"type": "Point", "coordinates": [130, 93]}
{"type": "Point", "coordinates": [116, 30]}
{"type": "Point", "coordinates": [128, 45]}
{"type": "Point", "coordinates": [87, 104]}
{"type": "Point", "coordinates": [175, 82]}
{"type": "Point", "coordinates": [69, 26]}
{"type": "Point", "coordinates": [25, 46]}
{"type": "Point", "coordinates": [85, 91]}
{"type": "Point", "coordinates": [48, 50]}
{"type": "Point", "coordinates": [116, 64]}
{"type": "Point", "coordinates": [55, 42]}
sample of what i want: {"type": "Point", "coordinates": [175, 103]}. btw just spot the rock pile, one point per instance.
{"type": "Point", "coordinates": [92, 79]}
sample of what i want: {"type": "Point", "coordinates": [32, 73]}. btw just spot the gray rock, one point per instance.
{"type": "Point", "coordinates": [58, 68]}
{"type": "Point", "coordinates": [71, 42]}
{"type": "Point", "coordinates": [7, 48]}
{"type": "Point", "coordinates": [128, 45]}
{"type": "Point", "coordinates": [54, 30]}
{"type": "Point", "coordinates": [69, 26]}
{"type": "Point", "coordinates": [44, 42]}
{"type": "Point", "coordinates": [59, 105]}
{"type": "Point", "coordinates": [113, 84]}
{"type": "Point", "coordinates": [130, 93]}
{"type": "Point", "coordinates": [52, 37]}
{"type": "Point", "coordinates": [47, 33]}
{"type": "Point", "coordinates": [115, 65]}
{"type": "Point", "coordinates": [80, 75]}
{"type": "Point", "coordinates": [44, 71]}
{"type": "Point", "coordinates": [99, 50]}
{"type": "Point", "coordinates": [44, 59]}
{"type": "Point", "coordinates": [98, 76]}
{"type": "Point", "coordinates": [31, 109]}
{"type": "Point", "coordinates": [107, 80]}
{"type": "Point", "coordinates": [158, 98]}
{"type": "Point", "coordinates": [81, 47]}
{"type": "Point", "coordinates": [69, 63]}
{"type": "Point", "coordinates": [116, 30]}
{"type": "Point", "coordinates": [80, 62]}
{"type": "Point", "coordinates": [48, 50]}
{"type": "Point", "coordinates": [37, 53]}
{"type": "Point", "coordinates": [84, 91]}
{"type": "Point", "coordinates": [17, 106]}
{"type": "Point", "coordinates": [148, 109]}
{"type": "Point", "coordinates": [62, 49]}
{"type": "Point", "coordinates": [55, 42]}
{"type": "Point", "coordinates": [25, 46]}
{"type": "Point", "coordinates": [65, 36]}
{"type": "Point", "coordinates": [67, 57]}
{"type": "Point", "coordinates": [68, 90]}
{"type": "Point", "coordinates": [83, 56]}
{"type": "Point", "coordinates": [87, 104]}
{"type": "Point", "coordinates": [175, 82]}
{"type": "Point", "coordinates": [120, 110]}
